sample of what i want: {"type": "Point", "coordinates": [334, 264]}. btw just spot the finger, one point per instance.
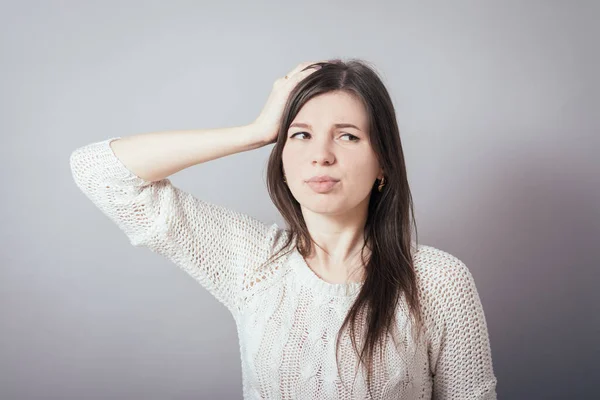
{"type": "Point", "coordinates": [313, 66]}
{"type": "Point", "coordinates": [299, 67]}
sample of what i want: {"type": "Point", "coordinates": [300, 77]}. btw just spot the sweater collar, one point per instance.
{"type": "Point", "coordinates": [308, 278]}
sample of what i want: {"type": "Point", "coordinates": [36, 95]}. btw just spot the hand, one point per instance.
{"type": "Point", "coordinates": [269, 120]}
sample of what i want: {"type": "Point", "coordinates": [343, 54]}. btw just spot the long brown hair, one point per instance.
{"type": "Point", "coordinates": [389, 270]}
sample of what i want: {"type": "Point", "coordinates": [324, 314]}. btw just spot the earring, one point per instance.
{"type": "Point", "coordinates": [284, 179]}
{"type": "Point", "coordinates": [382, 184]}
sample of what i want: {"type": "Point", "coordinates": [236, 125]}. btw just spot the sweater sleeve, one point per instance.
{"type": "Point", "coordinates": [460, 356]}
{"type": "Point", "coordinates": [219, 247]}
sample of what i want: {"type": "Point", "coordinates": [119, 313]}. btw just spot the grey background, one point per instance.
{"type": "Point", "coordinates": [498, 110]}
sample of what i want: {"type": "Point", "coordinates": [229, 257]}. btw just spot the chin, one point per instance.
{"type": "Point", "coordinates": [325, 206]}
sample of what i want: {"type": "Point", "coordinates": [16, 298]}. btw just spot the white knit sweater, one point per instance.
{"type": "Point", "coordinates": [287, 317]}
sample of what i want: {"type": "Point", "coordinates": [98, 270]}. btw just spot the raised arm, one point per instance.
{"type": "Point", "coordinates": [157, 155]}
{"type": "Point", "coordinates": [127, 181]}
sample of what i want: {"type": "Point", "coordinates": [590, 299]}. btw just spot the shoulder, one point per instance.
{"type": "Point", "coordinates": [443, 281]}
{"type": "Point", "coordinates": [446, 288]}
{"type": "Point", "coordinates": [437, 269]}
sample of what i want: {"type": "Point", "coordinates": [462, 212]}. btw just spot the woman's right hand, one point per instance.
{"type": "Point", "coordinates": [269, 120]}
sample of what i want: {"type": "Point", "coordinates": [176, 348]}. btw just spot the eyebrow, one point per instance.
{"type": "Point", "coordinates": [339, 125]}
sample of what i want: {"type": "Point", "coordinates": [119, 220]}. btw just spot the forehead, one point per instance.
{"type": "Point", "coordinates": [333, 107]}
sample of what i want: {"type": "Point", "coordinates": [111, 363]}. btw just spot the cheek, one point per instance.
{"type": "Point", "coordinates": [290, 162]}
{"type": "Point", "coordinates": [363, 169]}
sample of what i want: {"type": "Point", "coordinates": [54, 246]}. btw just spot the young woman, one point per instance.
{"type": "Point", "coordinates": [342, 303]}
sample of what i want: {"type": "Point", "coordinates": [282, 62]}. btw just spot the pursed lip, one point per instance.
{"type": "Point", "coordinates": [322, 178]}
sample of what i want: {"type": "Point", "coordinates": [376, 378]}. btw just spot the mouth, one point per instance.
{"type": "Point", "coordinates": [322, 178]}
{"type": "Point", "coordinates": [322, 186]}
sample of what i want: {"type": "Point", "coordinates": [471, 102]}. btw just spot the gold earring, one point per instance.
{"type": "Point", "coordinates": [382, 184]}
{"type": "Point", "coordinates": [284, 179]}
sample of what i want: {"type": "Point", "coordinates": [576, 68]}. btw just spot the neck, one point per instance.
{"type": "Point", "coordinates": [338, 241]}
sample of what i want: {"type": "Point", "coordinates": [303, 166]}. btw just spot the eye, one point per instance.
{"type": "Point", "coordinates": [298, 133]}
{"type": "Point", "coordinates": [352, 137]}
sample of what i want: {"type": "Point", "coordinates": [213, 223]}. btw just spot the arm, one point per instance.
{"type": "Point", "coordinates": [460, 354]}
{"type": "Point", "coordinates": [156, 155]}
{"type": "Point", "coordinates": [126, 179]}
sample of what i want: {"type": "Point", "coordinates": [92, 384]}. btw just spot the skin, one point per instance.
{"type": "Point", "coordinates": [334, 219]}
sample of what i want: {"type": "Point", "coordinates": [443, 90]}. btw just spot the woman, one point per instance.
{"type": "Point", "coordinates": [340, 304]}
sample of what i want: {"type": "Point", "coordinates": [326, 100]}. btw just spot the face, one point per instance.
{"type": "Point", "coordinates": [315, 147]}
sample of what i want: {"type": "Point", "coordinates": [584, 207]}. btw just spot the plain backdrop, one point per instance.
{"type": "Point", "coordinates": [498, 107]}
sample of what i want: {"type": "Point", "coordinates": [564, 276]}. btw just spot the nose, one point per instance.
{"type": "Point", "coordinates": [322, 151]}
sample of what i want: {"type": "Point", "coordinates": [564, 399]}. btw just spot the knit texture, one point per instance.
{"type": "Point", "coordinates": [287, 317]}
